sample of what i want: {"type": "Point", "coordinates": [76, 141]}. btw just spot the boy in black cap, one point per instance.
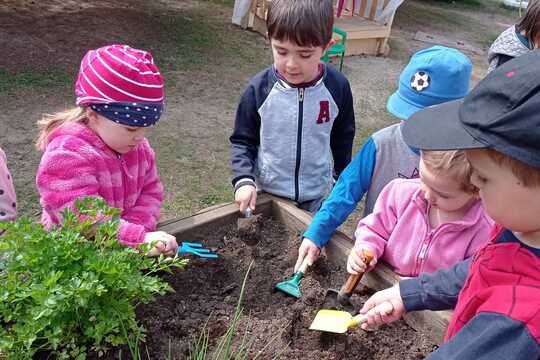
{"type": "Point", "coordinates": [496, 294]}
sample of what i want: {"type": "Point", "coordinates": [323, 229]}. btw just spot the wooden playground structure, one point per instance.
{"type": "Point", "coordinates": [368, 23]}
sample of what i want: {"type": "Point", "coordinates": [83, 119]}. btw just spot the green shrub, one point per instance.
{"type": "Point", "coordinates": [74, 288]}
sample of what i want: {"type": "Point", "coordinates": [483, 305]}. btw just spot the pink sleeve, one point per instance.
{"type": "Point", "coordinates": [8, 200]}
{"type": "Point", "coordinates": [64, 176]}
{"type": "Point", "coordinates": [130, 234]}
{"type": "Point", "coordinates": [147, 208]}
{"type": "Point", "coordinates": [374, 230]}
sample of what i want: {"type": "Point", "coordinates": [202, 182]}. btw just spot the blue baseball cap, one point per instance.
{"type": "Point", "coordinates": [432, 76]}
{"type": "Point", "coordinates": [500, 113]}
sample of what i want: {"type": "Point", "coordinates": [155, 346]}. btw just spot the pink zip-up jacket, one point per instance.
{"type": "Point", "coordinates": [398, 231]}
{"type": "Point", "coordinates": [8, 200]}
{"type": "Point", "coordinates": [77, 164]}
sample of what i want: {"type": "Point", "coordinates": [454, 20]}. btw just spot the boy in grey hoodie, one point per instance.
{"type": "Point", "coordinates": [295, 124]}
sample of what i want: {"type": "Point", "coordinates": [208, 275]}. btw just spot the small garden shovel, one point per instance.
{"type": "Point", "coordinates": [341, 299]}
{"type": "Point", "coordinates": [336, 321]}
{"type": "Point", "coordinates": [339, 322]}
{"type": "Point", "coordinates": [292, 287]}
{"type": "Point", "coordinates": [249, 227]}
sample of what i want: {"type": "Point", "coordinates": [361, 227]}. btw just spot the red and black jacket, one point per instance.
{"type": "Point", "coordinates": [496, 296]}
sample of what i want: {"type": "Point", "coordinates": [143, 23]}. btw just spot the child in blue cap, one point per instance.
{"type": "Point", "coordinates": [433, 76]}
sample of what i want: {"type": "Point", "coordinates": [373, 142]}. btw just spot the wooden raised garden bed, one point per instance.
{"type": "Point", "coordinates": [208, 290]}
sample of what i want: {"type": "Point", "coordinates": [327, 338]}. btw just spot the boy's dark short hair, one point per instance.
{"type": "Point", "coordinates": [500, 115]}
{"type": "Point", "coordinates": [304, 22]}
{"type": "Point", "coordinates": [530, 22]}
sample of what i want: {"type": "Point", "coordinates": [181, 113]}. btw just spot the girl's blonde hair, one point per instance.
{"type": "Point", "coordinates": [50, 122]}
{"type": "Point", "coordinates": [450, 163]}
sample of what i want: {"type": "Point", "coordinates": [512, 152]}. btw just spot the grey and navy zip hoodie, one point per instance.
{"type": "Point", "coordinates": [286, 136]}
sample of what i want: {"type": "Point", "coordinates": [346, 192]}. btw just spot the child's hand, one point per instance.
{"type": "Point", "coordinates": [356, 263]}
{"type": "Point", "coordinates": [309, 249]}
{"type": "Point", "coordinates": [246, 196]}
{"type": "Point", "coordinates": [163, 243]}
{"type": "Point", "coordinates": [383, 307]}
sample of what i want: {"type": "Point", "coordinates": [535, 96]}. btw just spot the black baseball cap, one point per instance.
{"type": "Point", "coordinates": [502, 112]}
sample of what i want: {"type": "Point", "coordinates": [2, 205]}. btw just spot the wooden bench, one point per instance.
{"type": "Point", "coordinates": [366, 33]}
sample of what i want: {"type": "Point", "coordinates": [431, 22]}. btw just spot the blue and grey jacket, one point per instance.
{"type": "Point", "coordinates": [284, 136]}
{"type": "Point", "coordinates": [384, 157]}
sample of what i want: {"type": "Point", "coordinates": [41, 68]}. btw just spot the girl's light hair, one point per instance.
{"type": "Point", "coordinates": [451, 163]}
{"type": "Point", "coordinates": [50, 122]}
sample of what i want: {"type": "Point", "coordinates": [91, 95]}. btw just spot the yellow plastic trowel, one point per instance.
{"type": "Point", "coordinates": [339, 322]}
{"type": "Point", "coordinates": [336, 321]}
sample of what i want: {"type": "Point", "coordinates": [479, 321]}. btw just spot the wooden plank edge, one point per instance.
{"type": "Point", "coordinates": [215, 215]}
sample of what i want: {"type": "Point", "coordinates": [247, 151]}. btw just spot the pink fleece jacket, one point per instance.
{"type": "Point", "coordinates": [398, 231]}
{"type": "Point", "coordinates": [8, 201]}
{"type": "Point", "coordinates": [77, 164]}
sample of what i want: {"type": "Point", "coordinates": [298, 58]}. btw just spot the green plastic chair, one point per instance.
{"type": "Point", "coordinates": [338, 49]}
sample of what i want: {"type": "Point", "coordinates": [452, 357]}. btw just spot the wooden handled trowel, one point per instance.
{"type": "Point", "coordinates": [340, 300]}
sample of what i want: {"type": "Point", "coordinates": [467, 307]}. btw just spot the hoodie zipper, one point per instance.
{"type": "Point", "coordinates": [423, 252]}
{"type": "Point", "coordinates": [426, 245]}
{"type": "Point", "coordinates": [298, 143]}
{"type": "Point", "coordinates": [427, 242]}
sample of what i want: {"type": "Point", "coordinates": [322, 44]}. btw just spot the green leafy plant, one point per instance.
{"type": "Point", "coordinates": [199, 348]}
{"type": "Point", "coordinates": [74, 288]}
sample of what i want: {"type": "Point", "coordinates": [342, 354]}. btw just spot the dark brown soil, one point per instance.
{"type": "Point", "coordinates": [208, 290]}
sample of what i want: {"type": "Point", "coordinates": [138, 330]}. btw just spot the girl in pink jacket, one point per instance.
{"type": "Point", "coordinates": [421, 225]}
{"type": "Point", "coordinates": [99, 147]}
{"type": "Point", "coordinates": [8, 201]}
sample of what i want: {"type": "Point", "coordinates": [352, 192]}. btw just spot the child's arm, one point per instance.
{"type": "Point", "coordinates": [145, 211]}
{"type": "Point", "coordinates": [244, 144]}
{"type": "Point", "coordinates": [489, 336]}
{"type": "Point", "coordinates": [351, 186]}
{"type": "Point", "coordinates": [383, 307]}
{"type": "Point", "coordinates": [65, 175]}
{"type": "Point", "coordinates": [343, 130]}
{"type": "Point", "coordinates": [436, 291]}
{"type": "Point", "coordinates": [374, 230]}
{"type": "Point", "coordinates": [8, 200]}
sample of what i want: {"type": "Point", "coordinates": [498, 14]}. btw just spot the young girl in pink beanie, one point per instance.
{"type": "Point", "coordinates": [99, 149]}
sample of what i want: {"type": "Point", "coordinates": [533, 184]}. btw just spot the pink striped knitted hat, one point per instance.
{"type": "Point", "coordinates": [118, 74]}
